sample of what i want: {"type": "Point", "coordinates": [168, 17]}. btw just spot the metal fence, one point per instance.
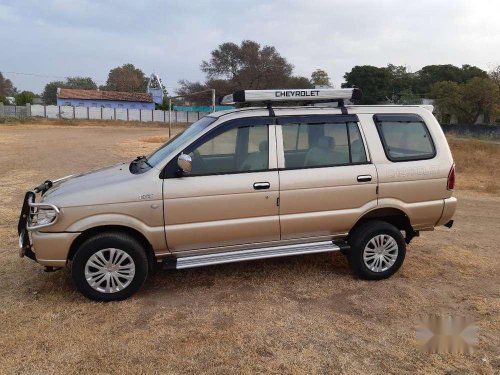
{"type": "Point", "coordinates": [99, 113]}
{"type": "Point", "coordinates": [147, 115]}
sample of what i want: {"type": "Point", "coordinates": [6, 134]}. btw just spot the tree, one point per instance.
{"type": "Point", "coordinates": [495, 75]}
{"type": "Point", "coordinates": [466, 101]}
{"type": "Point", "coordinates": [6, 87]}
{"type": "Point", "coordinates": [320, 78]}
{"type": "Point", "coordinates": [447, 97]}
{"type": "Point", "coordinates": [248, 66]}
{"type": "Point", "coordinates": [49, 94]}
{"type": "Point", "coordinates": [408, 97]}
{"type": "Point", "coordinates": [25, 97]}
{"type": "Point", "coordinates": [235, 67]}
{"type": "Point", "coordinates": [82, 83]}
{"type": "Point", "coordinates": [126, 78]}
{"type": "Point", "coordinates": [373, 81]}
{"type": "Point", "coordinates": [479, 96]}
{"type": "Point", "coordinates": [431, 74]}
{"type": "Point", "coordinates": [401, 83]}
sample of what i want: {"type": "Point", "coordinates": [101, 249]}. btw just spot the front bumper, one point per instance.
{"type": "Point", "coordinates": [49, 249]}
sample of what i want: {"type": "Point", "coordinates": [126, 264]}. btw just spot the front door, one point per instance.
{"type": "Point", "coordinates": [326, 178]}
{"type": "Point", "coordinates": [230, 197]}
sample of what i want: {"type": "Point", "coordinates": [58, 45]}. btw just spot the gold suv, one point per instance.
{"type": "Point", "coordinates": [251, 183]}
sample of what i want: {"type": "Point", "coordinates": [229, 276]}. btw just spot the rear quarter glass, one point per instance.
{"type": "Point", "coordinates": [405, 137]}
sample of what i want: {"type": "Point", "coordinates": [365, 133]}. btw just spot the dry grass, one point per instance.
{"type": "Point", "coordinates": [42, 122]}
{"type": "Point", "coordinates": [477, 164]}
{"type": "Point", "coordinates": [301, 315]}
{"type": "Point", "coordinates": [155, 139]}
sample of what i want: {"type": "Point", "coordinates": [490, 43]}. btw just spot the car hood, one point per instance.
{"type": "Point", "coordinates": [112, 184]}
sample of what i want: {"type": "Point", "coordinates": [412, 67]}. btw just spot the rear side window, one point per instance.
{"type": "Point", "coordinates": [322, 144]}
{"type": "Point", "coordinates": [405, 137]}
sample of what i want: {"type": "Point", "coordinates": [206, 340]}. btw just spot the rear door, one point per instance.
{"type": "Point", "coordinates": [230, 198]}
{"type": "Point", "coordinates": [327, 180]}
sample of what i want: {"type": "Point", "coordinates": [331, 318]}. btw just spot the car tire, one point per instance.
{"type": "Point", "coordinates": [377, 251]}
{"type": "Point", "coordinates": [110, 266]}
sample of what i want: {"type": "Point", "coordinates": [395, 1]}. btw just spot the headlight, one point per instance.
{"type": "Point", "coordinates": [45, 216]}
{"type": "Point", "coordinates": [41, 215]}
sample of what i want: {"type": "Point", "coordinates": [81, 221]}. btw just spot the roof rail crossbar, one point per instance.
{"type": "Point", "coordinates": [270, 109]}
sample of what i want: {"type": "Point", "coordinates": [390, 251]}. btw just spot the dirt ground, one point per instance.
{"type": "Point", "coordinates": [297, 315]}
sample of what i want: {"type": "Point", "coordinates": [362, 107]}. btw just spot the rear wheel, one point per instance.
{"type": "Point", "coordinates": [377, 250]}
{"type": "Point", "coordinates": [109, 267]}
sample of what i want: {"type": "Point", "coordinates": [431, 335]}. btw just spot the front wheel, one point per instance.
{"type": "Point", "coordinates": [109, 267]}
{"type": "Point", "coordinates": [377, 250]}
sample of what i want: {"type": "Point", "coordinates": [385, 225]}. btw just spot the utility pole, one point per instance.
{"type": "Point", "coordinates": [169, 117]}
{"type": "Point", "coordinates": [213, 100]}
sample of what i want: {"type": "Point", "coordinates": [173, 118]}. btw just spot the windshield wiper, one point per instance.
{"type": "Point", "coordinates": [143, 159]}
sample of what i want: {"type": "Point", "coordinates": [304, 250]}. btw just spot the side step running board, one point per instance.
{"type": "Point", "coordinates": [253, 254]}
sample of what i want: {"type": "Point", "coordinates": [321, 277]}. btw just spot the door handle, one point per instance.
{"type": "Point", "coordinates": [261, 185]}
{"type": "Point", "coordinates": [364, 178]}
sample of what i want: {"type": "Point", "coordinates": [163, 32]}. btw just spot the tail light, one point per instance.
{"type": "Point", "coordinates": [451, 178]}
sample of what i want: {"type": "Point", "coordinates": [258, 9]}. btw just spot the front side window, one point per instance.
{"type": "Point", "coordinates": [322, 144]}
{"type": "Point", "coordinates": [405, 137]}
{"type": "Point", "coordinates": [241, 149]}
{"type": "Point", "coordinates": [166, 150]}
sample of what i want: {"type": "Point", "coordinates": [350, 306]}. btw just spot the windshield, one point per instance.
{"type": "Point", "coordinates": [160, 154]}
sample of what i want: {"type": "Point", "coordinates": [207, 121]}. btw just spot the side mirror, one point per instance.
{"type": "Point", "coordinates": [185, 163]}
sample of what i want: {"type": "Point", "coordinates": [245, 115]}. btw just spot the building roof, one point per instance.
{"type": "Point", "coordinates": [103, 95]}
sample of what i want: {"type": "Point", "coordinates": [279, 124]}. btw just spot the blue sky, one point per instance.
{"type": "Point", "coordinates": [82, 37]}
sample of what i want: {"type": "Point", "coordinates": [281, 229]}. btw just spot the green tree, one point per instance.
{"type": "Point", "coordinates": [402, 82]}
{"type": "Point", "coordinates": [6, 86]}
{"type": "Point", "coordinates": [408, 97]}
{"type": "Point", "coordinates": [373, 81]}
{"type": "Point", "coordinates": [447, 98]}
{"type": "Point", "coordinates": [466, 101]}
{"type": "Point", "coordinates": [24, 98]}
{"type": "Point", "coordinates": [495, 75]}
{"type": "Point", "coordinates": [479, 96]}
{"type": "Point", "coordinates": [126, 78]}
{"type": "Point", "coordinates": [249, 65]}
{"type": "Point", "coordinates": [49, 94]}
{"type": "Point", "coordinates": [83, 83]}
{"type": "Point", "coordinates": [320, 78]}
{"type": "Point", "coordinates": [431, 74]}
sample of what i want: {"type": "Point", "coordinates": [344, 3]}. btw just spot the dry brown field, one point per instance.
{"type": "Point", "coordinates": [296, 315]}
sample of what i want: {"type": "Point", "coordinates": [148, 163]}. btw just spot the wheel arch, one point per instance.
{"type": "Point", "coordinates": [391, 215]}
{"type": "Point", "coordinates": [134, 233]}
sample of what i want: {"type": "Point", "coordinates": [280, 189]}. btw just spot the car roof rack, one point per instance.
{"type": "Point", "coordinates": [305, 96]}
